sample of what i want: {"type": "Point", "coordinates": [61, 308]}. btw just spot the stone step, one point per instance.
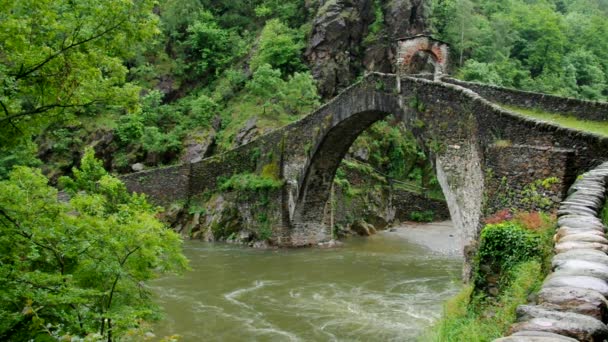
{"type": "Point", "coordinates": [584, 237]}
{"type": "Point", "coordinates": [576, 221]}
{"type": "Point", "coordinates": [591, 255]}
{"type": "Point", "coordinates": [581, 282]}
{"type": "Point", "coordinates": [562, 247]}
{"type": "Point", "coordinates": [582, 268]}
{"type": "Point", "coordinates": [576, 211]}
{"type": "Point", "coordinates": [565, 231]}
{"type": "Point", "coordinates": [581, 301]}
{"type": "Point", "coordinates": [581, 202]}
{"type": "Point", "coordinates": [580, 327]}
{"type": "Point", "coordinates": [596, 200]}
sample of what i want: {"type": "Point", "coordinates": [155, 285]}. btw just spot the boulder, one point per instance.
{"type": "Point", "coordinates": [137, 167]}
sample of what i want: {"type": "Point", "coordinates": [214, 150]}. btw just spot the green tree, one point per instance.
{"type": "Point", "coordinates": [279, 48]}
{"type": "Point", "coordinates": [61, 57]}
{"type": "Point", "coordinates": [210, 47]}
{"type": "Point", "coordinates": [266, 86]}
{"type": "Point", "coordinates": [77, 268]}
{"type": "Point", "coordinates": [300, 94]}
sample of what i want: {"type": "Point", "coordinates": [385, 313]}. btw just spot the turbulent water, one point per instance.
{"type": "Point", "coordinates": [382, 288]}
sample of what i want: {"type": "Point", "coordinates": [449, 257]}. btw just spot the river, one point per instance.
{"type": "Point", "coordinates": [388, 287]}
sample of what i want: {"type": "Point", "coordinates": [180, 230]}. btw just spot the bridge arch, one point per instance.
{"type": "Point", "coordinates": [458, 169]}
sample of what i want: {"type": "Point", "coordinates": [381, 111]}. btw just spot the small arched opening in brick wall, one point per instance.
{"type": "Point", "coordinates": [422, 54]}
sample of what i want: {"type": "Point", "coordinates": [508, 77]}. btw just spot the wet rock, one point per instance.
{"type": "Point", "coordinates": [330, 244]}
{"type": "Point", "coordinates": [242, 237]}
{"type": "Point", "coordinates": [260, 244]}
{"type": "Point", "coordinates": [137, 167]}
{"type": "Point", "coordinates": [580, 327]}
{"type": "Point", "coordinates": [582, 301]}
{"type": "Point", "coordinates": [363, 228]}
{"type": "Point", "coordinates": [582, 282]}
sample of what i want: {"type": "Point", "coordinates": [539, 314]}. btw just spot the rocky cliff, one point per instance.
{"type": "Point", "coordinates": [349, 37]}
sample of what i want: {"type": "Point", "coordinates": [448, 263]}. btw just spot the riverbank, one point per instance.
{"type": "Point", "coordinates": [439, 237]}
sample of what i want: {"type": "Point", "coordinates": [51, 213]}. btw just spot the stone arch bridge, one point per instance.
{"type": "Point", "coordinates": [482, 153]}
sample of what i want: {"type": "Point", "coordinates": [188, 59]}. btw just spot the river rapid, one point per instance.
{"type": "Point", "coordinates": [388, 287]}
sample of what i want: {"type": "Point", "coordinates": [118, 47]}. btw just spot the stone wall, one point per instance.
{"type": "Point", "coordinates": [164, 185]}
{"type": "Point", "coordinates": [527, 177]}
{"type": "Point", "coordinates": [405, 203]}
{"type": "Point", "coordinates": [586, 110]}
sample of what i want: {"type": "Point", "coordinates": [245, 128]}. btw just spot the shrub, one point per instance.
{"type": "Point", "coordinates": [249, 182]}
{"type": "Point", "coordinates": [422, 216]}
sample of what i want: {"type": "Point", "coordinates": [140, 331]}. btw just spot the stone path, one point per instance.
{"type": "Point", "coordinates": [572, 305]}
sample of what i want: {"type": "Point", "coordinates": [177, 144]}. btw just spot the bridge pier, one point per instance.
{"type": "Point", "coordinates": [309, 233]}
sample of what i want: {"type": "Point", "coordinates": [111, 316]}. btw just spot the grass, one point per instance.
{"type": "Point", "coordinates": [480, 320]}
{"type": "Point", "coordinates": [474, 316]}
{"type": "Point", "coordinates": [568, 121]}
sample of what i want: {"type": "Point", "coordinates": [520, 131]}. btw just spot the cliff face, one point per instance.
{"type": "Point", "coordinates": [351, 36]}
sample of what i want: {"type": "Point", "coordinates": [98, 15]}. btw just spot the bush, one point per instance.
{"type": "Point", "coordinates": [503, 245]}
{"type": "Point", "coordinates": [249, 182]}
{"type": "Point", "coordinates": [422, 216]}
{"type": "Point", "coordinates": [130, 128]}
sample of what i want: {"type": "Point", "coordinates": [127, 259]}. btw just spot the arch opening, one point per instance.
{"type": "Point", "coordinates": [309, 217]}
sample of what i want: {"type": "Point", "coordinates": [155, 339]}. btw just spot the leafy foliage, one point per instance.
{"type": "Point", "coordinates": [76, 268]}
{"type": "Point", "coordinates": [279, 48]}
{"type": "Point", "coordinates": [62, 57]}
{"type": "Point", "coordinates": [249, 182]}
{"type": "Point", "coordinates": [549, 46]}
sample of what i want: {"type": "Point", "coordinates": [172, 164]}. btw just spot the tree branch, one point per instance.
{"type": "Point", "coordinates": [46, 108]}
{"type": "Point", "coordinates": [24, 73]}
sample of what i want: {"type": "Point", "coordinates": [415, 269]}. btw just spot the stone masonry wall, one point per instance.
{"type": "Point", "coordinates": [163, 185]}
{"type": "Point", "coordinates": [586, 110]}
{"type": "Point", "coordinates": [527, 177]}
